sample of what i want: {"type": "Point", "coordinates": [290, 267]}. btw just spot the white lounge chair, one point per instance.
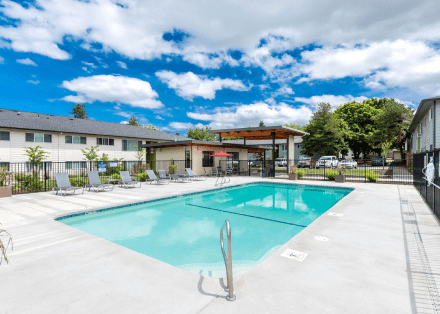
{"type": "Point", "coordinates": [95, 182]}
{"type": "Point", "coordinates": [179, 178]}
{"type": "Point", "coordinates": [193, 176]}
{"type": "Point", "coordinates": [163, 175]}
{"type": "Point", "coordinates": [126, 180]}
{"type": "Point", "coordinates": [152, 178]}
{"type": "Point", "coordinates": [63, 185]}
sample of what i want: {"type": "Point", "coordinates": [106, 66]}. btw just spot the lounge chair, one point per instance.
{"type": "Point", "coordinates": [179, 178]}
{"type": "Point", "coordinates": [193, 176]}
{"type": "Point", "coordinates": [95, 182]}
{"type": "Point", "coordinates": [152, 178]}
{"type": "Point", "coordinates": [163, 175]}
{"type": "Point", "coordinates": [63, 185]}
{"type": "Point", "coordinates": [126, 180]}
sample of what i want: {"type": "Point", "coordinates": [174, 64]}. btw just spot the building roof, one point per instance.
{"type": "Point", "coordinates": [297, 140]}
{"type": "Point", "coordinates": [15, 119]}
{"type": "Point", "coordinates": [422, 110]}
{"type": "Point", "coordinates": [192, 142]}
{"type": "Point", "coordinates": [260, 133]}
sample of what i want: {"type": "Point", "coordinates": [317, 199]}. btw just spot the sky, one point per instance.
{"type": "Point", "coordinates": [185, 64]}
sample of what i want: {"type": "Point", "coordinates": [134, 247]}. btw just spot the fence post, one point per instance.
{"type": "Point", "coordinates": [365, 176]}
{"type": "Point", "coordinates": [45, 176]}
{"type": "Point", "coordinates": [249, 167]}
{"type": "Point", "coordinates": [324, 170]}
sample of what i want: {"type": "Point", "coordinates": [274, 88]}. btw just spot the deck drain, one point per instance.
{"type": "Point", "coordinates": [335, 214]}
{"type": "Point", "coordinates": [319, 238]}
{"type": "Point", "coordinates": [292, 254]}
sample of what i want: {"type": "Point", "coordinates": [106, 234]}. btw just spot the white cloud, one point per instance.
{"type": "Point", "coordinates": [35, 82]}
{"type": "Point", "coordinates": [189, 85]}
{"type": "Point", "coordinates": [184, 125]}
{"type": "Point", "coordinates": [27, 61]}
{"type": "Point", "coordinates": [282, 91]}
{"type": "Point", "coordinates": [89, 64]}
{"type": "Point", "coordinates": [122, 64]}
{"type": "Point", "coordinates": [159, 117]}
{"type": "Point", "coordinates": [2, 60]}
{"type": "Point", "coordinates": [333, 100]}
{"type": "Point", "coordinates": [383, 65]}
{"type": "Point", "coordinates": [110, 88]}
{"type": "Point", "coordinates": [245, 115]}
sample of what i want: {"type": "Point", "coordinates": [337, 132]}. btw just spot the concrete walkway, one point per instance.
{"type": "Point", "coordinates": [381, 257]}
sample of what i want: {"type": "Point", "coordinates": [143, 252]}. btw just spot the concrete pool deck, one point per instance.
{"type": "Point", "coordinates": [381, 257]}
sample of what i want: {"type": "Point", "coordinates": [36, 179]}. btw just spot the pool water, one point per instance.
{"type": "Point", "coordinates": [185, 231]}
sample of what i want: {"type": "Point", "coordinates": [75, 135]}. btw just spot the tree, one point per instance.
{"type": "Point", "coordinates": [261, 124]}
{"type": "Point", "coordinates": [36, 155]}
{"type": "Point", "coordinates": [139, 154]}
{"type": "Point", "coordinates": [90, 153]}
{"type": "Point", "coordinates": [325, 135]}
{"type": "Point", "coordinates": [104, 157]}
{"type": "Point", "coordinates": [358, 124]}
{"type": "Point", "coordinates": [151, 126]}
{"type": "Point", "coordinates": [177, 133]}
{"type": "Point", "coordinates": [390, 125]}
{"type": "Point", "coordinates": [295, 126]}
{"type": "Point", "coordinates": [133, 121]}
{"type": "Point", "coordinates": [79, 112]}
{"type": "Point", "coordinates": [201, 134]}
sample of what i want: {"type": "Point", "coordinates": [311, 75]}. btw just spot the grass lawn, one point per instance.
{"type": "Point", "coordinates": [353, 172]}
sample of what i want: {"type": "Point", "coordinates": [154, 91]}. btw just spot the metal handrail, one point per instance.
{"type": "Point", "coordinates": [223, 178]}
{"type": "Point", "coordinates": [228, 261]}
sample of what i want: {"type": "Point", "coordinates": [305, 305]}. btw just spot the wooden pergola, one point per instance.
{"type": "Point", "coordinates": [262, 133]}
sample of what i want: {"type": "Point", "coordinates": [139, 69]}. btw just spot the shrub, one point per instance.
{"type": "Point", "coordinates": [172, 168]}
{"type": "Point", "coordinates": [79, 180]}
{"type": "Point", "coordinates": [4, 175]}
{"type": "Point", "coordinates": [115, 176]}
{"type": "Point", "coordinates": [372, 177]}
{"type": "Point", "coordinates": [20, 177]}
{"type": "Point", "coordinates": [140, 168]}
{"type": "Point", "coordinates": [301, 173]}
{"type": "Point", "coordinates": [331, 174]}
{"type": "Point", "coordinates": [32, 183]}
{"type": "Point", "coordinates": [143, 176]}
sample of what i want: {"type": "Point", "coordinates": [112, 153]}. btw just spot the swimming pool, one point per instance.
{"type": "Point", "coordinates": [184, 231]}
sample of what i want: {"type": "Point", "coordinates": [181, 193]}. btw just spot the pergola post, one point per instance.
{"type": "Point", "coordinates": [273, 153]}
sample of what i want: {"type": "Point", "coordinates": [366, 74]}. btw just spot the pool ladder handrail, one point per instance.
{"type": "Point", "coordinates": [223, 178]}
{"type": "Point", "coordinates": [228, 261]}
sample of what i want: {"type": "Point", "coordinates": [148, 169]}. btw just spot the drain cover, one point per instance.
{"type": "Point", "coordinates": [319, 238]}
{"type": "Point", "coordinates": [335, 214]}
{"type": "Point", "coordinates": [292, 254]}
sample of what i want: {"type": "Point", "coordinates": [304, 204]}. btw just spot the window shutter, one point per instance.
{"type": "Point", "coordinates": [139, 145]}
{"type": "Point", "coordinates": [124, 145]}
{"type": "Point", "coordinates": [29, 137]}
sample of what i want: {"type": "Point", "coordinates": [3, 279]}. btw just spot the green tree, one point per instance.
{"type": "Point", "coordinates": [325, 135]}
{"type": "Point", "coordinates": [261, 124]}
{"type": "Point", "coordinates": [358, 124]}
{"type": "Point", "coordinates": [36, 155]}
{"type": "Point", "coordinates": [79, 112]}
{"type": "Point", "coordinates": [201, 134]}
{"type": "Point", "coordinates": [104, 157]}
{"type": "Point", "coordinates": [90, 153]}
{"type": "Point", "coordinates": [295, 126]}
{"type": "Point", "coordinates": [151, 126]}
{"type": "Point", "coordinates": [133, 121]}
{"type": "Point", "coordinates": [390, 125]}
{"type": "Point", "coordinates": [139, 154]}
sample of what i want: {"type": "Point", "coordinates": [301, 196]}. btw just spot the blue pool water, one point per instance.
{"type": "Point", "coordinates": [184, 231]}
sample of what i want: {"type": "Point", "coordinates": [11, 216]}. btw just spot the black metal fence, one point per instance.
{"type": "Point", "coordinates": [431, 194]}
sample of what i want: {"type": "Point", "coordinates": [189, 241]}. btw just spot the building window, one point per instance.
{"type": "Point", "coordinates": [129, 145]}
{"type": "Point", "coordinates": [76, 165]}
{"type": "Point", "coordinates": [4, 165]}
{"type": "Point", "coordinates": [4, 136]}
{"type": "Point", "coordinates": [105, 141]}
{"type": "Point", "coordinates": [74, 139]}
{"type": "Point", "coordinates": [38, 138]}
{"type": "Point", "coordinates": [207, 160]}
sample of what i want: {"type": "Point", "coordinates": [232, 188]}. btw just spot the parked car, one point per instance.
{"type": "Point", "coordinates": [348, 163]}
{"type": "Point", "coordinates": [305, 162]}
{"type": "Point", "coordinates": [327, 162]}
{"type": "Point", "coordinates": [281, 162]}
{"type": "Point", "coordinates": [377, 161]}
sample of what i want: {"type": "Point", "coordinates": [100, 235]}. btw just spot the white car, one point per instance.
{"type": "Point", "coordinates": [327, 162]}
{"type": "Point", "coordinates": [281, 162]}
{"type": "Point", "coordinates": [348, 164]}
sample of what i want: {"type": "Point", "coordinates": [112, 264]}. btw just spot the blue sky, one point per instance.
{"type": "Point", "coordinates": [178, 65]}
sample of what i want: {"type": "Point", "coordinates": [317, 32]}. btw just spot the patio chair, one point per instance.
{"type": "Point", "coordinates": [152, 178]}
{"type": "Point", "coordinates": [193, 176]}
{"type": "Point", "coordinates": [163, 175]}
{"type": "Point", "coordinates": [179, 178]}
{"type": "Point", "coordinates": [95, 182]}
{"type": "Point", "coordinates": [63, 185]}
{"type": "Point", "coordinates": [126, 180]}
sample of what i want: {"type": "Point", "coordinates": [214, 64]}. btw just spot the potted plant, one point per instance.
{"type": "Point", "coordinates": [5, 190]}
{"type": "Point", "coordinates": [293, 175]}
{"type": "Point", "coordinates": [172, 168]}
{"type": "Point", "coordinates": [340, 178]}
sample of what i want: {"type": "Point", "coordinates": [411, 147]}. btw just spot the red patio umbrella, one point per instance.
{"type": "Point", "coordinates": [221, 154]}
